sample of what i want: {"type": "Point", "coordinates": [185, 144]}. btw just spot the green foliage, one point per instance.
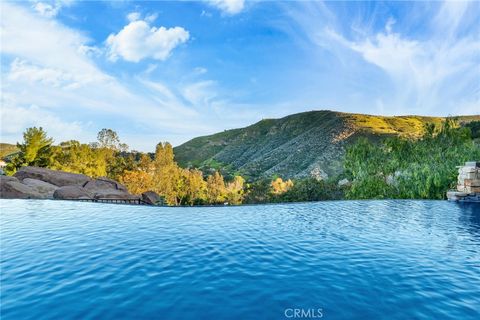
{"type": "Point", "coordinates": [36, 150]}
{"type": "Point", "coordinates": [73, 156]}
{"type": "Point", "coordinates": [474, 127]}
{"type": "Point", "coordinates": [410, 169]}
{"type": "Point", "coordinates": [310, 189]}
{"type": "Point", "coordinates": [258, 192]}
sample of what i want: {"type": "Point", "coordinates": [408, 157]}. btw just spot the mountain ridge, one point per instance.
{"type": "Point", "coordinates": [310, 143]}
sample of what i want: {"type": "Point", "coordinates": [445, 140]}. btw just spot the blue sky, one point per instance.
{"type": "Point", "coordinates": [169, 71]}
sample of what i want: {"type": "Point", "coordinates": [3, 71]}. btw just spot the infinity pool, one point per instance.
{"type": "Point", "coordinates": [334, 260]}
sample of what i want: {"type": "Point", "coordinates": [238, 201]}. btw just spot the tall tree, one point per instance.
{"type": "Point", "coordinates": [35, 150]}
{"type": "Point", "coordinates": [216, 192]}
{"type": "Point", "coordinates": [235, 191]}
{"type": "Point", "coordinates": [107, 138]}
{"type": "Point", "coordinates": [195, 187]}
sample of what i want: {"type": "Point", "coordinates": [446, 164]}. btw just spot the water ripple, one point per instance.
{"type": "Point", "coordinates": [354, 259]}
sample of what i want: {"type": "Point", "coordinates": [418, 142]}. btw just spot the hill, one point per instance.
{"type": "Point", "coordinates": [6, 149]}
{"type": "Point", "coordinates": [299, 145]}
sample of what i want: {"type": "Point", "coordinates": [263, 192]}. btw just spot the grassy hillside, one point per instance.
{"type": "Point", "coordinates": [6, 149]}
{"type": "Point", "coordinates": [304, 144]}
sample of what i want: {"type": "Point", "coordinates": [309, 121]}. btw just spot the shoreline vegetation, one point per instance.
{"type": "Point", "coordinates": [395, 167]}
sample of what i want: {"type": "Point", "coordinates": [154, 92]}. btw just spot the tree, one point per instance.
{"type": "Point", "coordinates": [309, 189]}
{"type": "Point", "coordinates": [235, 191]}
{"type": "Point", "coordinates": [167, 176]}
{"type": "Point", "coordinates": [164, 154]}
{"type": "Point", "coordinates": [195, 187]}
{"type": "Point", "coordinates": [279, 186]}
{"type": "Point", "coordinates": [73, 156]}
{"type": "Point", "coordinates": [259, 191]}
{"type": "Point", "coordinates": [107, 138]}
{"type": "Point", "coordinates": [137, 182]}
{"type": "Point", "coordinates": [216, 192]}
{"type": "Point", "coordinates": [145, 163]}
{"type": "Point", "coordinates": [34, 151]}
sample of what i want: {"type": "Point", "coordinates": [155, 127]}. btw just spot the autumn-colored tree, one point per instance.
{"type": "Point", "coordinates": [145, 163]}
{"type": "Point", "coordinates": [137, 181]}
{"type": "Point", "coordinates": [164, 154]}
{"type": "Point", "coordinates": [167, 176]}
{"type": "Point", "coordinates": [235, 191]}
{"type": "Point", "coordinates": [195, 187]}
{"type": "Point", "coordinates": [216, 191]}
{"type": "Point", "coordinates": [279, 186]}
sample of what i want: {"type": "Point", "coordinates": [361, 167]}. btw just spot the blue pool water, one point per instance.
{"type": "Point", "coordinates": [358, 259]}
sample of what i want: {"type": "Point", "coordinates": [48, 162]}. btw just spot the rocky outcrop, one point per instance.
{"type": "Point", "coordinates": [105, 188]}
{"type": "Point", "coordinates": [44, 188]}
{"type": "Point", "coordinates": [12, 188]}
{"type": "Point", "coordinates": [152, 198]}
{"type": "Point", "coordinates": [72, 193]}
{"type": "Point", "coordinates": [55, 177]}
{"type": "Point", "coordinates": [42, 183]}
{"type": "Point", "coordinates": [344, 183]}
{"type": "Point", "coordinates": [104, 183]}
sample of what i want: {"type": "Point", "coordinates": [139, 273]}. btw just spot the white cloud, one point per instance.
{"type": "Point", "coordinates": [432, 72]}
{"type": "Point", "coordinates": [200, 94]}
{"type": "Point", "coordinates": [50, 8]}
{"type": "Point", "coordinates": [137, 41]}
{"type": "Point", "coordinates": [133, 16]}
{"type": "Point", "coordinates": [422, 71]}
{"type": "Point", "coordinates": [22, 71]}
{"type": "Point", "coordinates": [46, 9]}
{"type": "Point", "coordinates": [151, 17]}
{"type": "Point", "coordinates": [200, 70]}
{"type": "Point", "coordinates": [15, 117]}
{"type": "Point", "coordinates": [230, 7]}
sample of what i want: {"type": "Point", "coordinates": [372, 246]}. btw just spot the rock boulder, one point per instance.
{"type": "Point", "coordinates": [55, 177]}
{"type": "Point", "coordinates": [104, 183]}
{"type": "Point", "coordinates": [72, 193]}
{"type": "Point", "coordinates": [44, 188]}
{"type": "Point", "coordinates": [152, 198]}
{"type": "Point", "coordinates": [12, 188]}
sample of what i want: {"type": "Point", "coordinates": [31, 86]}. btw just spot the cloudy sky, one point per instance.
{"type": "Point", "coordinates": [170, 71]}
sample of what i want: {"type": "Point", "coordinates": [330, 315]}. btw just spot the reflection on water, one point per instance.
{"type": "Point", "coordinates": [470, 217]}
{"type": "Point", "coordinates": [351, 259]}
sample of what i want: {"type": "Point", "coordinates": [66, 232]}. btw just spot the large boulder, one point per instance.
{"type": "Point", "coordinates": [55, 177]}
{"type": "Point", "coordinates": [104, 183]}
{"type": "Point", "coordinates": [33, 182]}
{"type": "Point", "coordinates": [12, 188]}
{"type": "Point", "coordinates": [72, 193]}
{"type": "Point", "coordinates": [152, 198]}
{"type": "Point", "coordinates": [44, 188]}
